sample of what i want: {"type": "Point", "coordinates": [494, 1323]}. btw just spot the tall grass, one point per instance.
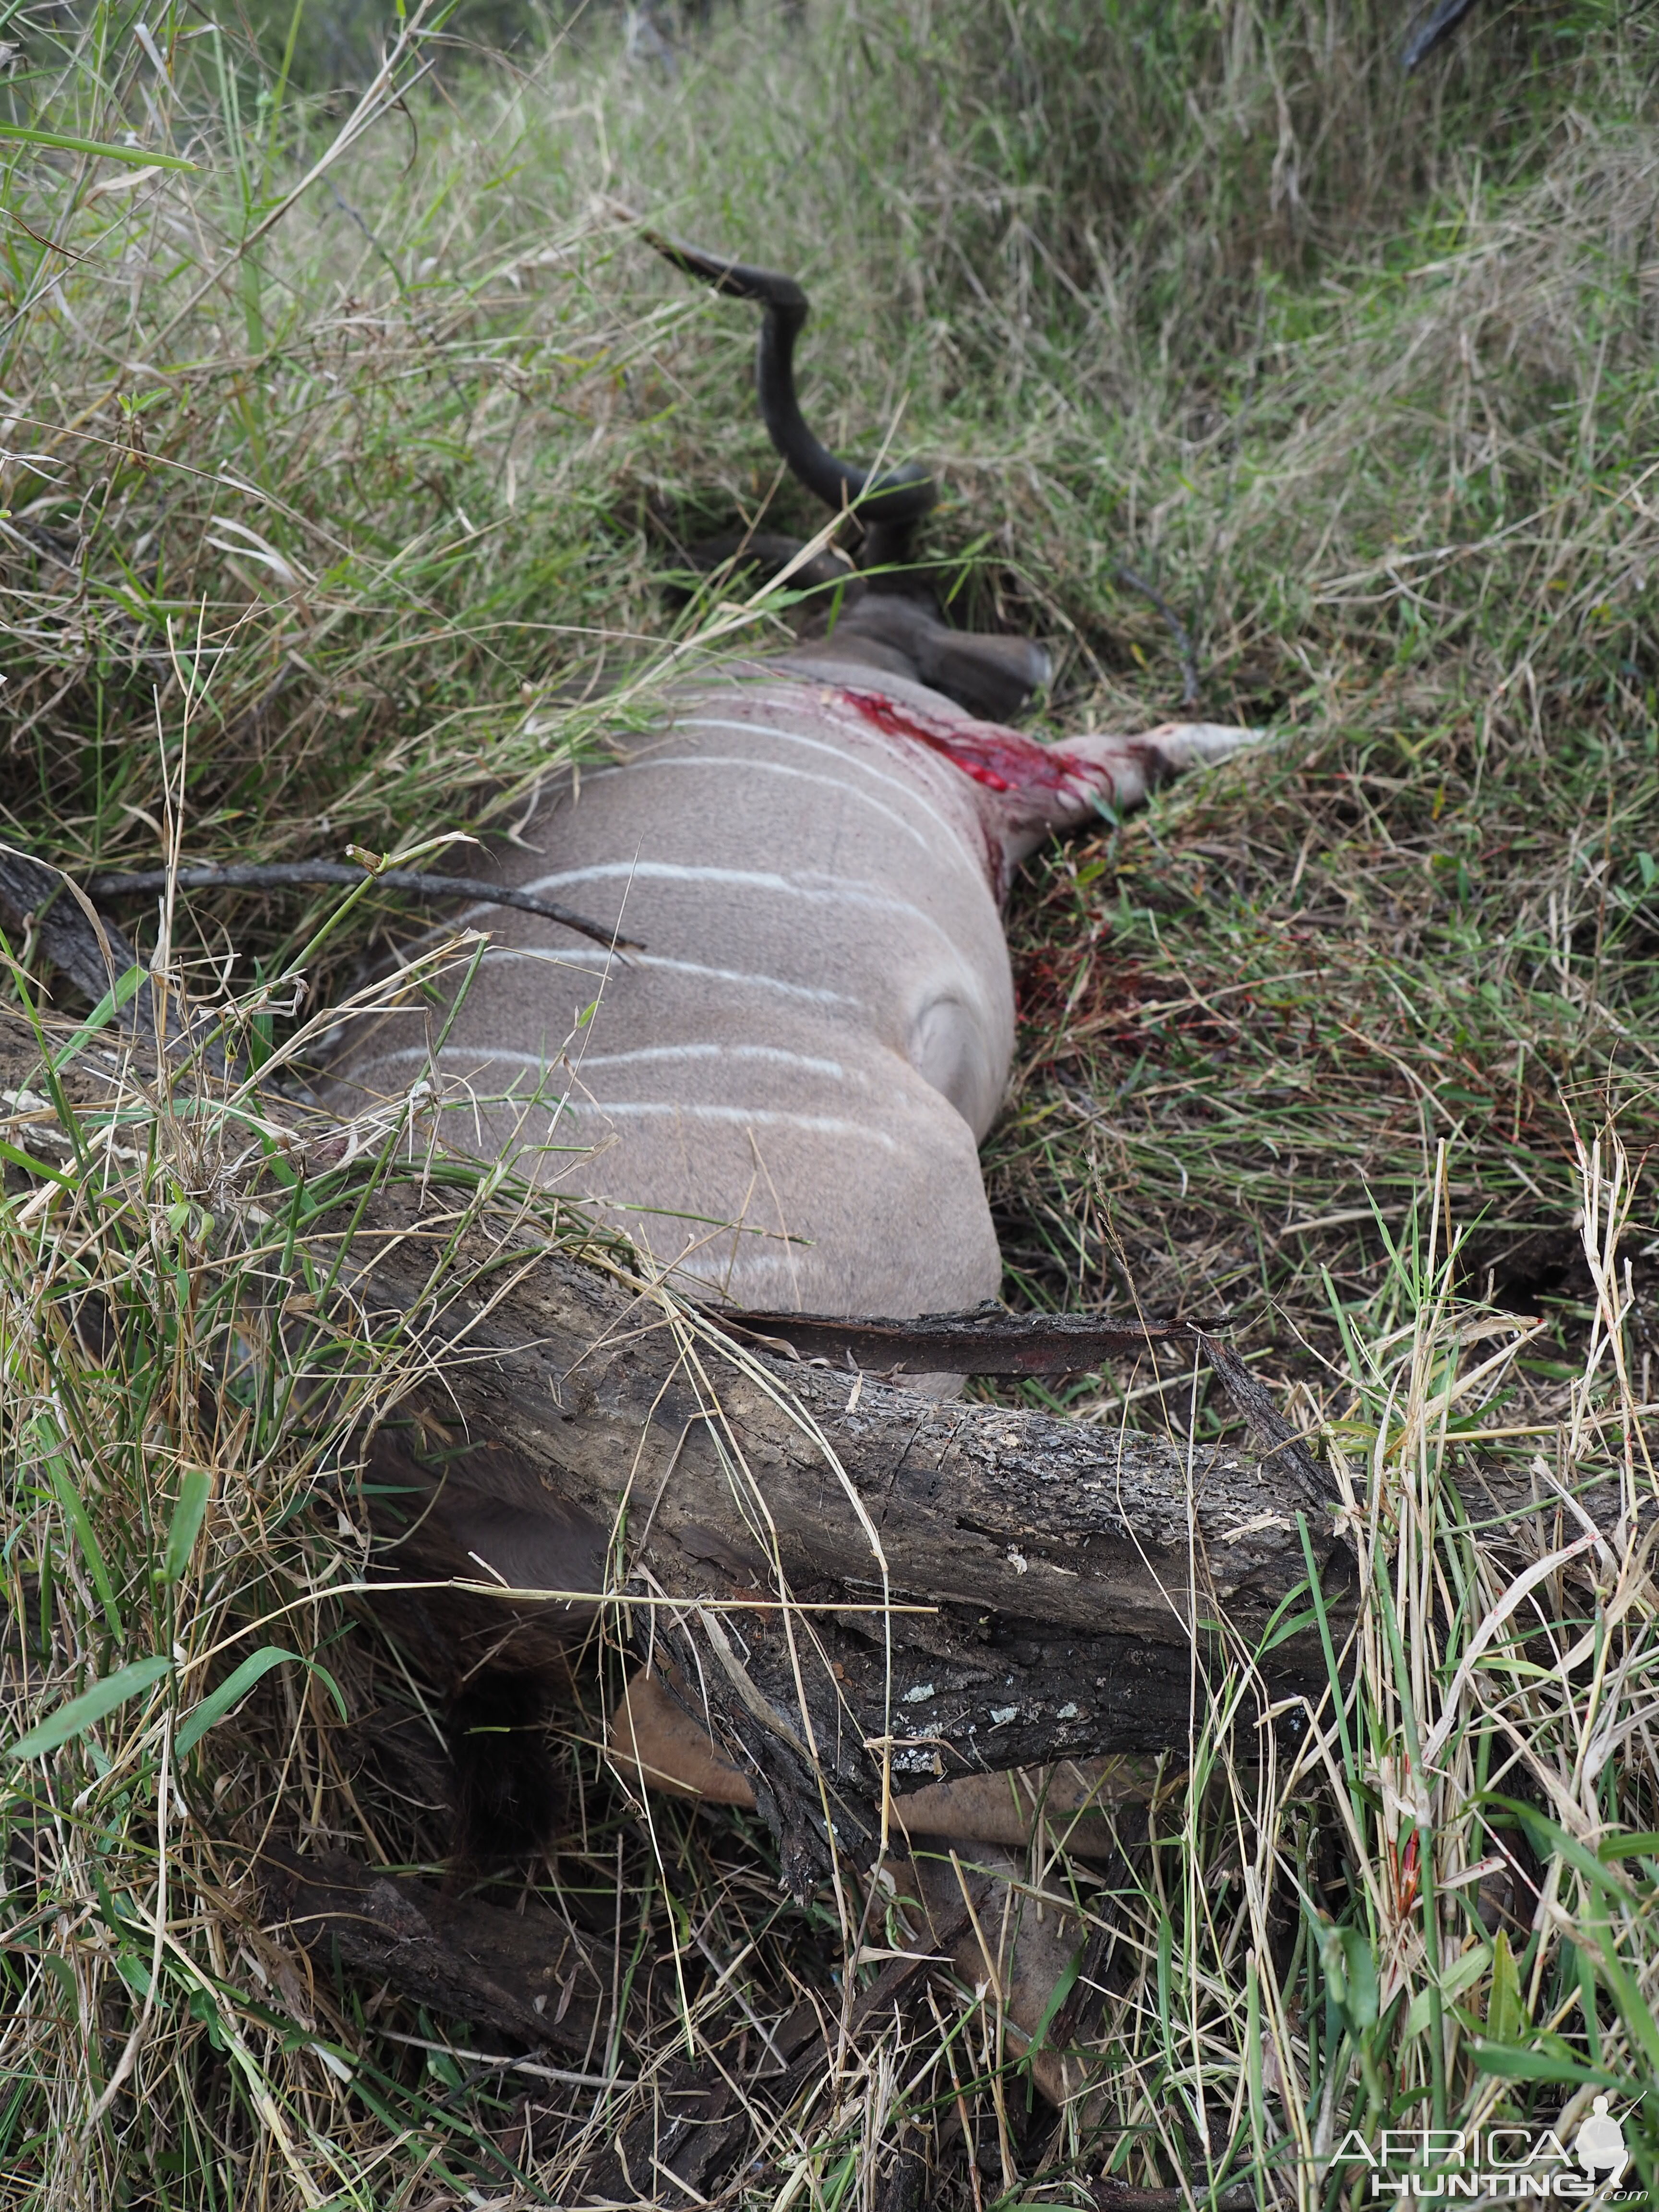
{"type": "Point", "coordinates": [342, 472]}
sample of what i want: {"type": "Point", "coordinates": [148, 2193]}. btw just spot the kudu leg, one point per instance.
{"type": "Point", "coordinates": [1138, 765]}
{"type": "Point", "coordinates": [1121, 772]}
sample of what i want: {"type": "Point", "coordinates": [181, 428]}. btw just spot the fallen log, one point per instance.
{"type": "Point", "coordinates": [869, 1588]}
{"type": "Point", "coordinates": [530, 1973]}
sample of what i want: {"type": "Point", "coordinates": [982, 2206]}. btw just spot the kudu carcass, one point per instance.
{"type": "Point", "coordinates": [781, 1099]}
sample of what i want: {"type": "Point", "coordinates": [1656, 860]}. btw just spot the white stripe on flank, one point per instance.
{"type": "Point", "coordinates": [776, 768]}
{"type": "Point", "coordinates": [838, 890]}
{"type": "Point", "coordinates": [813, 994]}
{"type": "Point", "coordinates": [747, 1117]}
{"type": "Point", "coordinates": [911, 791]}
{"type": "Point", "coordinates": [480, 1054]}
{"type": "Point", "coordinates": [773, 1054]}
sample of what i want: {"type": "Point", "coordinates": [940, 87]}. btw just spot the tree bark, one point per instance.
{"type": "Point", "coordinates": [528, 1973]}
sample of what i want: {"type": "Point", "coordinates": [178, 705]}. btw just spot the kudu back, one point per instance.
{"type": "Point", "coordinates": [781, 1097]}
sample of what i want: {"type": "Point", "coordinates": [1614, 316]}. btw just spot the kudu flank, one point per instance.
{"type": "Point", "coordinates": [782, 1098]}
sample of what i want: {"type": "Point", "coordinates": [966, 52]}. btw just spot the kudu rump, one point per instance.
{"type": "Point", "coordinates": [779, 1098]}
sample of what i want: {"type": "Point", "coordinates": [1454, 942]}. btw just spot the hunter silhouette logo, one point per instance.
{"type": "Point", "coordinates": [1599, 2146]}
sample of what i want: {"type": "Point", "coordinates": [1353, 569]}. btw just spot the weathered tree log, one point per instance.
{"type": "Point", "coordinates": [1070, 1581]}
{"type": "Point", "coordinates": [529, 1973]}
{"type": "Point", "coordinates": [526, 1973]}
{"type": "Point", "coordinates": [41, 901]}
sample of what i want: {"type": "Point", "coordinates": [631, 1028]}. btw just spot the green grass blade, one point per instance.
{"type": "Point", "coordinates": [188, 1514]}
{"type": "Point", "coordinates": [230, 1692]}
{"type": "Point", "coordinates": [82, 1713]}
{"type": "Point", "coordinates": [126, 989]}
{"type": "Point", "coordinates": [49, 1441]}
{"type": "Point", "coordinates": [135, 157]}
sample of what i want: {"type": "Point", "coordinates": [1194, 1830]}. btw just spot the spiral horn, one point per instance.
{"type": "Point", "coordinates": [891, 502]}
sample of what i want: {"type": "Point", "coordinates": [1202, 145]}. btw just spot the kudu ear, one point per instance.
{"type": "Point", "coordinates": [889, 503]}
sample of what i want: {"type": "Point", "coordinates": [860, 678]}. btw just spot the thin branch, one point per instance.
{"type": "Point", "coordinates": [291, 874]}
{"type": "Point", "coordinates": [1177, 630]}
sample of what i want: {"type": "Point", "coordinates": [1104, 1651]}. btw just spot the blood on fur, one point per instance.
{"type": "Point", "coordinates": [999, 759]}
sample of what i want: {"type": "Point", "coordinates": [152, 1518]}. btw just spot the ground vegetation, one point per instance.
{"type": "Point", "coordinates": [353, 444]}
